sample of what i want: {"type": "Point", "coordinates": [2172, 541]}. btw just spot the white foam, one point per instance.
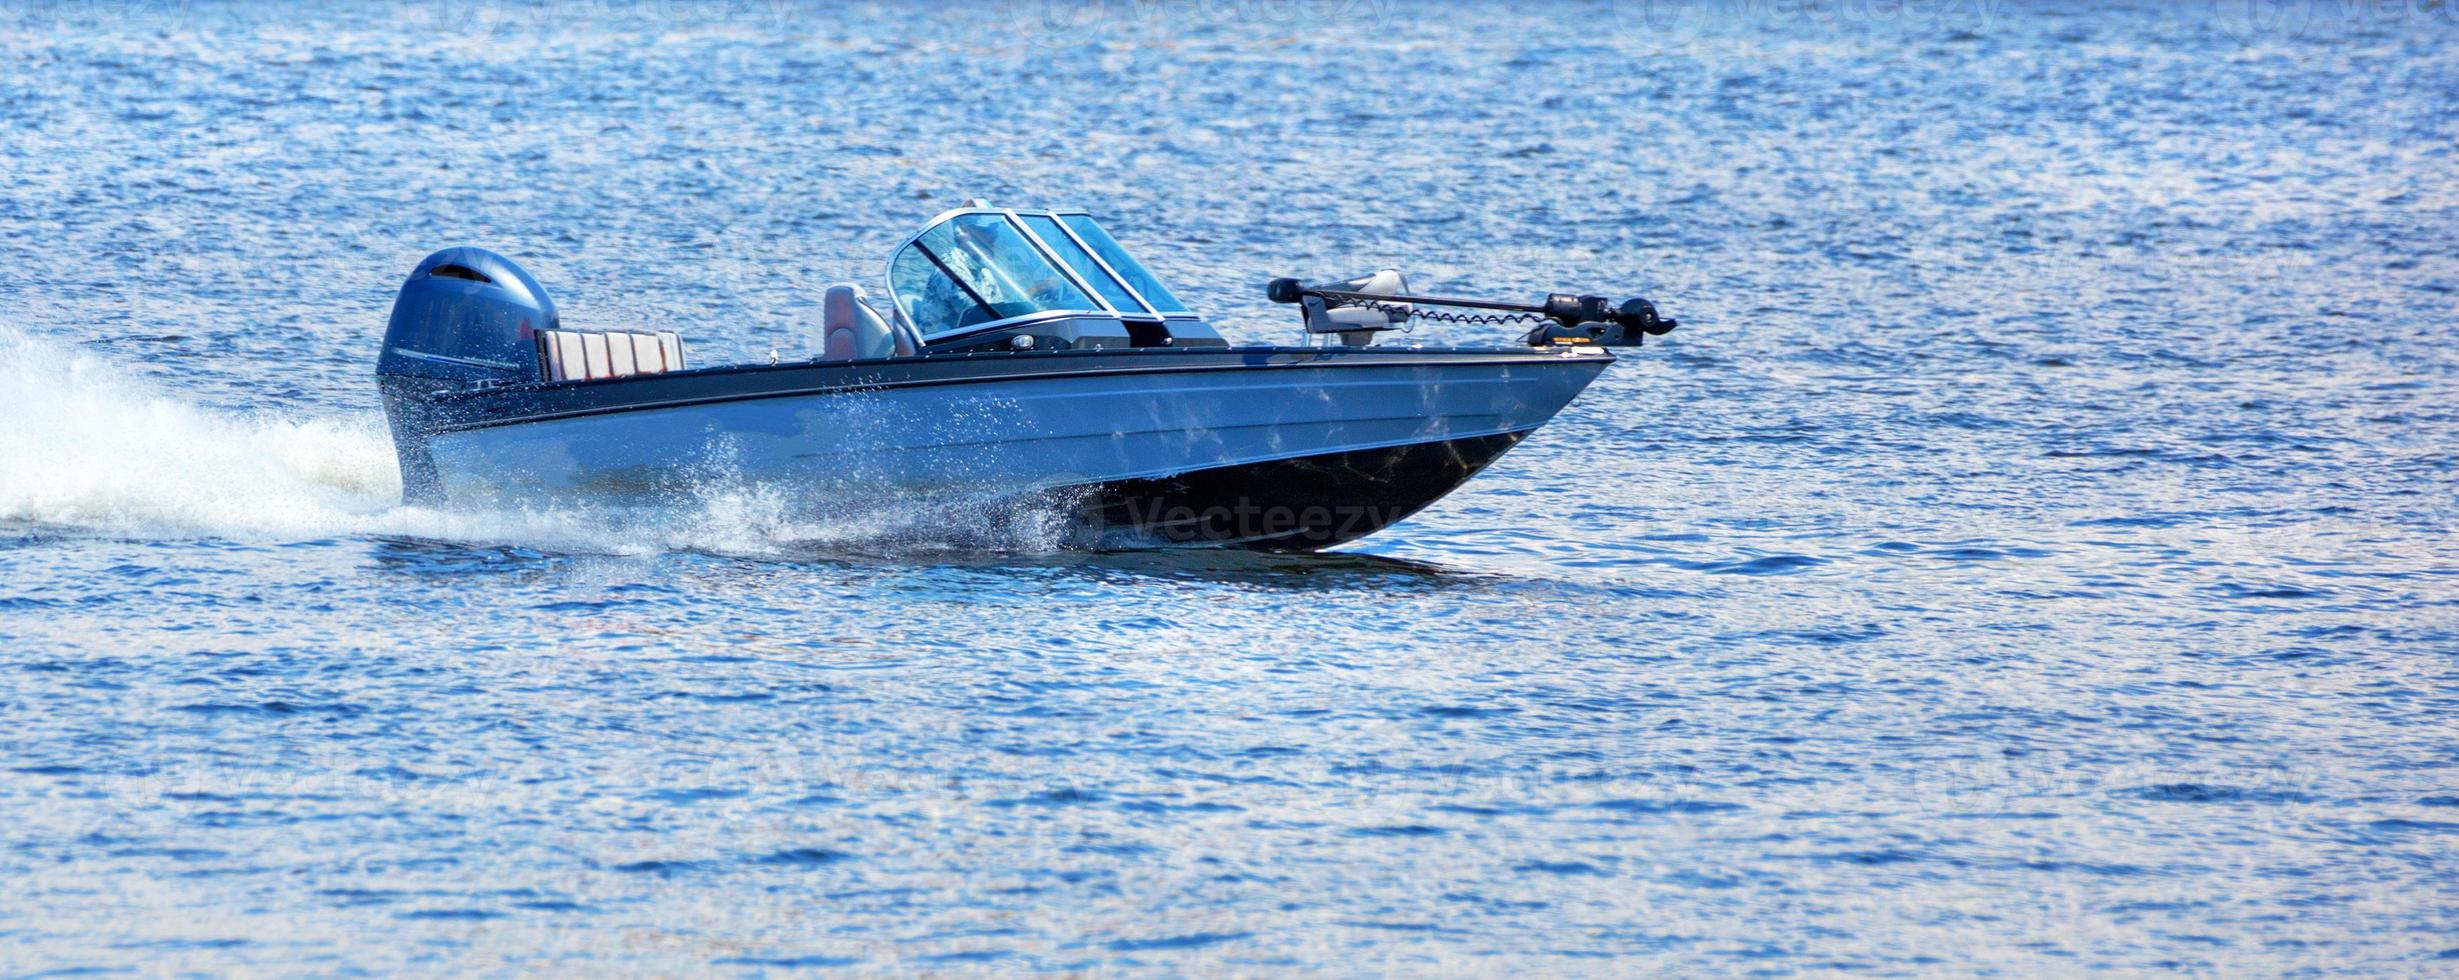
{"type": "Point", "coordinates": [87, 444]}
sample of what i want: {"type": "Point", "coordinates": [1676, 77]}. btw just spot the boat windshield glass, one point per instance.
{"type": "Point", "coordinates": [1137, 278]}
{"type": "Point", "coordinates": [977, 268]}
{"type": "Point", "coordinates": [1046, 227]}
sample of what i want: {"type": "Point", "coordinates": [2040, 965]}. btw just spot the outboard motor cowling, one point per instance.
{"type": "Point", "coordinates": [466, 317]}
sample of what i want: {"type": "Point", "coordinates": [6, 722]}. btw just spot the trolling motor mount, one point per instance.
{"type": "Point", "coordinates": [1567, 319]}
{"type": "Point", "coordinates": [1588, 320]}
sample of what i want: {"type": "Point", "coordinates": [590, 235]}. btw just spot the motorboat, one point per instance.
{"type": "Point", "coordinates": [1021, 354]}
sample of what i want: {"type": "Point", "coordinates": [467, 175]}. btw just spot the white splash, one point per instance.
{"type": "Point", "coordinates": [86, 444]}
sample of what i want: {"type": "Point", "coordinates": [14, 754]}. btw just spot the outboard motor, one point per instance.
{"type": "Point", "coordinates": [466, 318]}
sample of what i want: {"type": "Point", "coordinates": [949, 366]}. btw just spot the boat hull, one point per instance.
{"type": "Point", "coordinates": [1299, 504]}
{"type": "Point", "coordinates": [1266, 448]}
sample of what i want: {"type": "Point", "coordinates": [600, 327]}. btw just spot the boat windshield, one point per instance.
{"type": "Point", "coordinates": [1155, 294]}
{"type": "Point", "coordinates": [980, 267]}
{"type": "Point", "coordinates": [974, 269]}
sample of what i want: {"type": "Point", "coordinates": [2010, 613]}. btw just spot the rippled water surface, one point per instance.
{"type": "Point", "coordinates": [2035, 552]}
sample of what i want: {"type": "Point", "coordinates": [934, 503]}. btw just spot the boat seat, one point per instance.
{"type": "Point", "coordinates": [591, 355]}
{"type": "Point", "coordinates": [850, 329]}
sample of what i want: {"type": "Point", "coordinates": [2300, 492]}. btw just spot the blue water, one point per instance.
{"type": "Point", "coordinates": [2035, 552]}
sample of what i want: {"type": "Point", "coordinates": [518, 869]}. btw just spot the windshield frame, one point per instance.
{"type": "Point", "coordinates": [1080, 279]}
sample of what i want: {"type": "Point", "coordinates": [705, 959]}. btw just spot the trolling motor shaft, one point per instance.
{"type": "Point", "coordinates": [1571, 319]}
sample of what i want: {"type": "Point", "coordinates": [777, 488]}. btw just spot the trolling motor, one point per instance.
{"type": "Point", "coordinates": [1357, 308]}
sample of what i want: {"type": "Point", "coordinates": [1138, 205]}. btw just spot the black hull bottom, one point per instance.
{"type": "Point", "coordinates": [1296, 504]}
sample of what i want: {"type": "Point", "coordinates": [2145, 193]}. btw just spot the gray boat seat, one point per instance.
{"type": "Point", "coordinates": [591, 355]}
{"type": "Point", "coordinates": [850, 329]}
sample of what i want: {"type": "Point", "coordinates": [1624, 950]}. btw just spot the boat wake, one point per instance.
{"type": "Point", "coordinates": [88, 446]}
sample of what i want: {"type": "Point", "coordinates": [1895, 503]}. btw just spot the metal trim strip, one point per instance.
{"type": "Point", "coordinates": [1216, 360]}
